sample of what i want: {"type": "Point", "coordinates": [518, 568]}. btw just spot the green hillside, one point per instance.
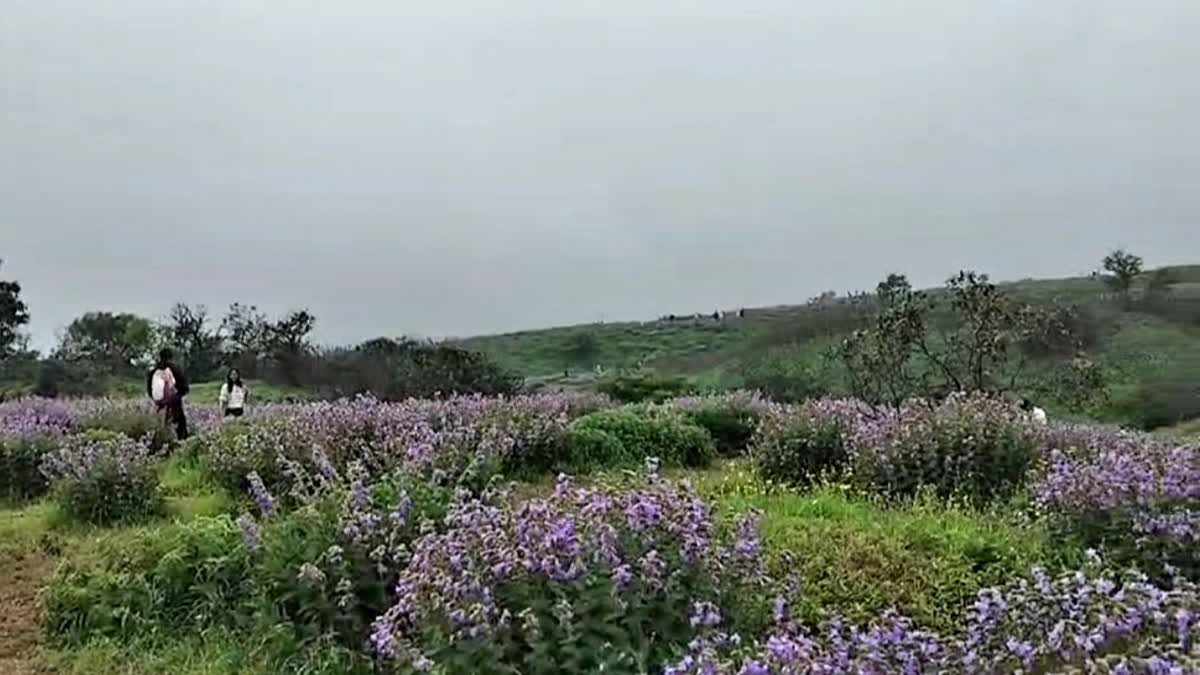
{"type": "Point", "coordinates": [1142, 344]}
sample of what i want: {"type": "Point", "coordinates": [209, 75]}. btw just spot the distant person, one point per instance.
{"type": "Point", "coordinates": [1035, 413]}
{"type": "Point", "coordinates": [232, 398]}
{"type": "Point", "coordinates": [167, 385]}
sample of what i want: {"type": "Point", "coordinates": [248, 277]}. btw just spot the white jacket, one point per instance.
{"type": "Point", "coordinates": [232, 398]}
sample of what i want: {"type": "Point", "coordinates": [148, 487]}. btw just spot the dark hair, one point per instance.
{"type": "Point", "coordinates": [1026, 404]}
{"type": "Point", "coordinates": [164, 355]}
{"type": "Point", "coordinates": [231, 381]}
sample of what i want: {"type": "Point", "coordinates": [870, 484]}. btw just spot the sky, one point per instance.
{"type": "Point", "coordinates": [475, 166]}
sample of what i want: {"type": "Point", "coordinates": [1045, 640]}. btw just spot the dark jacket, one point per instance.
{"type": "Point", "coordinates": [181, 383]}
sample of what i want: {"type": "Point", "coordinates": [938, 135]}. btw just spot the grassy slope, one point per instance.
{"type": "Point", "coordinates": [690, 347]}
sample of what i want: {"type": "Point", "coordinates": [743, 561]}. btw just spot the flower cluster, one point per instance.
{"type": "Point", "coordinates": [1084, 621]}
{"type": "Point", "coordinates": [640, 552]}
{"type": "Point", "coordinates": [35, 416]}
{"type": "Point", "coordinates": [102, 477]}
{"type": "Point", "coordinates": [1135, 495]}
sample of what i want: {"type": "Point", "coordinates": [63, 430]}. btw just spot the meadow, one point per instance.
{"type": "Point", "coordinates": [563, 532]}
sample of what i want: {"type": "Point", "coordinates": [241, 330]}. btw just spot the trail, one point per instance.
{"type": "Point", "coordinates": [21, 579]}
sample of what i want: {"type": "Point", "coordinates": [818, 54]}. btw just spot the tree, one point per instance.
{"type": "Point", "coordinates": [971, 337]}
{"type": "Point", "coordinates": [113, 342]}
{"type": "Point", "coordinates": [582, 348]}
{"type": "Point", "coordinates": [1122, 270]}
{"type": "Point", "coordinates": [288, 345]}
{"type": "Point", "coordinates": [13, 314]}
{"type": "Point", "coordinates": [247, 336]}
{"type": "Point", "coordinates": [199, 346]}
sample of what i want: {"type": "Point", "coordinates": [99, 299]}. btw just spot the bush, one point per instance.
{"type": "Point", "coordinates": [641, 433]}
{"type": "Point", "coordinates": [790, 374]}
{"type": "Point", "coordinates": [969, 445]}
{"type": "Point", "coordinates": [1160, 404]}
{"type": "Point", "coordinates": [644, 387]}
{"type": "Point", "coordinates": [176, 578]}
{"type": "Point", "coordinates": [20, 465]}
{"type": "Point", "coordinates": [587, 446]}
{"type": "Point", "coordinates": [139, 423]}
{"type": "Point", "coordinates": [730, 418]}
{"type": "Point", "coordinates": [102, 477]}
{"type": "Point", "coordinates": [798, 445]}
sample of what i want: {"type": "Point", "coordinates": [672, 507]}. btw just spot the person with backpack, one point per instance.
{"type": "Point", "coordinates": [167, 385]}
{"type": "Point", "coordinates": [232, 398]}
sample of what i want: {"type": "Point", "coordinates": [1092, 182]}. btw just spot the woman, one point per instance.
{"type": "Point", "coordinates": [233, 395]}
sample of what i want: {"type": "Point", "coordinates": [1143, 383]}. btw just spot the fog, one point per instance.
{"type": "Point", "coordinates": [475, 166]}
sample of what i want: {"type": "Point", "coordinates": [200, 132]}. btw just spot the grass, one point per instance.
{"type": "Point", "coordinates": [858, 555]}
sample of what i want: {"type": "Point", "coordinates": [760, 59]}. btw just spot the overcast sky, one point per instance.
{"type": "Point", "coordinates": [472, 166]}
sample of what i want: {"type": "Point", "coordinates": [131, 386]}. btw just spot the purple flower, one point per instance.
{"type": "Point", "coordinates": [251, 535]}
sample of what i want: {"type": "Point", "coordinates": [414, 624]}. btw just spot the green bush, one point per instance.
{"type": "Point", "coordinates": [641, 433]}
{"type": "Point", "coordinates": [1160, 404]}
{"type": "Point", "coordinates": [21, 456]}
{"type": "Point", "coordinates": [139, 424]}
{"type": "Point", "coordinates": [802, 444]}
{"type": "Point", "coordinates": [101, 477]}
{"type": "Point", "coordinates": [730, 418]}
{"type": "Point", "coordinates": [174, 578]}
{"type": "Point", "coordinates": [644, 387]}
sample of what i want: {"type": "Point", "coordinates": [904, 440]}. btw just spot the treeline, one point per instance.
{"type": "Point", "coordinates": [100, 350]}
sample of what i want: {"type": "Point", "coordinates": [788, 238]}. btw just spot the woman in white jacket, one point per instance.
{"type": "Point", "coordinates": [233, 395]}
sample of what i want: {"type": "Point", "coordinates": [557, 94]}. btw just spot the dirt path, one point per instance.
{"type": "Point", "coordinates": [21, 579]}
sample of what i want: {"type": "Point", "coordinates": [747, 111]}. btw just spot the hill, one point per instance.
{"type": "Point", "coordinates": [1144, 344]}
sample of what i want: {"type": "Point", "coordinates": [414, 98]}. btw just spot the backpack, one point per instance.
{"type": "Point", "coordinates": [162, 385]}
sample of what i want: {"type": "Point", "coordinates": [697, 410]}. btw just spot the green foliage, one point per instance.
{"type": "Point", "coordinates": [399, 369]}
{"type": "Point", "coordinates": [113, 342]}
{"type": "Point", "coordinates": [112, 489]}
{"type": "Point", "coordinates": [174, 578]}
{"type": "Point", "coordinates": [1122, 270]}
{"type": "Point", "coordinates": [21, 477]}
{"type": "Point", "coordinates": [800, 447]}
{"type": "Point", "coordinates": [139, 424]}
{"type": "Point", "coordinates": [644, 386]}
{"type": "Point", "coordinates": [790, 374]}
{"type": "Point", "coordinates": [635, 434]}
{"type": "Point", "coordinates": [859, 556]}
{"type": "Point", "coordinates": [14, 313]}
{"type": "Point", "coordinates": [730, 420]}
{"type": "Point", "coordinates": [1152, 405]}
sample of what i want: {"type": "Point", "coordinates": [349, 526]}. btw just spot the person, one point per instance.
{"type": "Point", "coordinates": [233, 395]}
{"type": "Point", "coordinates": [167, 385]}
{"type": "Point", "coordinates": [1034, 411]}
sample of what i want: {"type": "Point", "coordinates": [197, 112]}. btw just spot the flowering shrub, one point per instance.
{"type": "Point", "coordinates": [36, 416]}
{"type": "Point", "coordinates": [967, 445]}
{"type": "Point", "coordinates": [103, 477]}
{"type": "Point", "coordinates": [20, 465]}
{"type": "Point", "coordinates": [586, 580]}
{"type": "Point", "coordinates": [730, 418]}
{"type": "Point", "coordinates": [1137, 497]}
{"type": "Point", "coordinates": [800, 444]}
{"type": "Point", "coordinates": [654, 431]}
{"type": "Point", "coordinates": [1089, 621]}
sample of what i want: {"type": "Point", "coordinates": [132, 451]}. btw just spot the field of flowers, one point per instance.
{"type": "Point", "coordinates": [553, 533]}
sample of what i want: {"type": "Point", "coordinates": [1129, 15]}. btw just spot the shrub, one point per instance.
{"type": "Point", "coordinates": [585, 580]}
{"type": "Point", "coordinates": [139, 423]}
{"type": "Point", "coordinates": [20, 466]}
{"type": "Point", "coordinates": [587, 446]}
{"type": "Point", "coordinates": [730, 418]}
{"type": "Point", "coordinates": [102, 477]}
{"type": "Point", "coordinates": [175, 578]}
{"type": "Point", "coordinates": [644, 387]}
{"type": "Point", "coordinates": [646, 432]}
{"type": "Point", "coordinates": [1133, 496]}
{"type": "Point", "coordinates": [798, 445]}
{"type": "Point", "coordinates": [969, 445]}
{"type": "Point", "coordinates": [1160, 404]}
